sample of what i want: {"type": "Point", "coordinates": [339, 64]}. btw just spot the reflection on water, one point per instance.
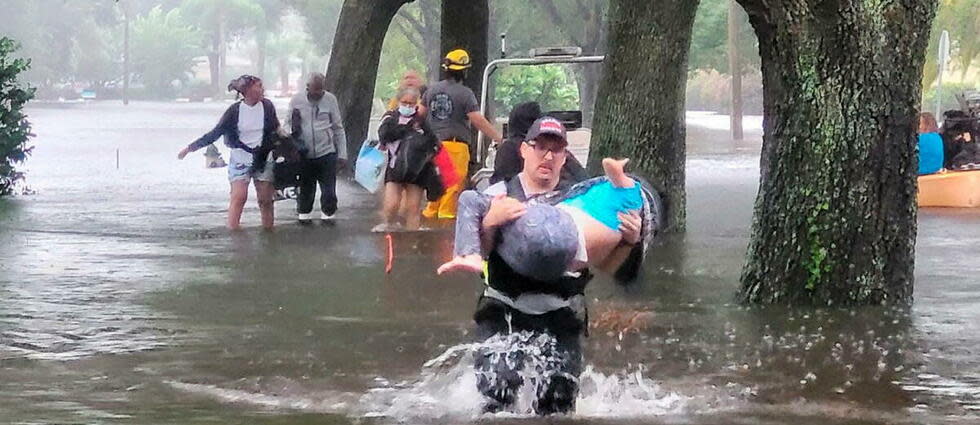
{"type": "Point", "coordinates": [123, 300]}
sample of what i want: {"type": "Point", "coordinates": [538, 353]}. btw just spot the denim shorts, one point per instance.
{"type": "Point", "coordinates": [238, 170]}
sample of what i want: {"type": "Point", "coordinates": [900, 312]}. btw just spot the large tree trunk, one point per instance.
{"type": "Point", "coordinates": [835, 215]}
{"type": "Point", "coordinates": [640, 111]}
{"type": "Point", "coordinates": [465, 25]}
{"type": "Point", "coordinates": [353, 67]}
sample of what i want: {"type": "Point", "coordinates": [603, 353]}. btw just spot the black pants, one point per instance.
{"type": "Point", "coordinates": [322, 170]}
{"type": "Point", "coordinates": [499, 378]}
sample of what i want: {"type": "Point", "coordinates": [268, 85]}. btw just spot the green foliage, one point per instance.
{"type": "Point", "coordinates": [816, 265]}
{"type": "Point", "coordinates": [15, 130]}
{"type": "Point", "coordinates": [321, 21]}
{"type": "Point", "coordinates": [163, 49]}
{"type": "Point", "coordinates": [709, 39]}
{"type": "Point", "coordinates": [549, 85]}
{"type": "Point", "coordinates": [962, 19]}
{"type": "Point", "coordinates": [398, 55]}
{"type": "Point", "coordinates": [234, 16]}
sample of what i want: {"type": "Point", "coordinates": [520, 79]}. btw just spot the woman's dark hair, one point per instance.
{"type": "Point", "coordinates": [241, 84]}
{"type": "Point", "coordinates": [521, 118]}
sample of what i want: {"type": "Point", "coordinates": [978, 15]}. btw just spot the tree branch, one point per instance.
{"type": "Point", "coordinates": [556, 19]}
{"type": "Point", "coordinates": [413, 21]}
{"type": "Point", "coordinates": [412, 37]}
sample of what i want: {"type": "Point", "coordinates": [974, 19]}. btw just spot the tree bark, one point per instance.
{"type": "Point", "coordinates": [353, 67]}
{"type": "Point", "coordinates": [466, 25]}
{"type": "Point", "coordinates": [835, 218]}
{"type": "Point", "coordinates": [589, 31]}
{"type": "Point", "coordinates": [640, 110]}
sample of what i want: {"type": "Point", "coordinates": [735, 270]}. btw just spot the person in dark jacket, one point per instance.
{"type": "Point", "coordinates": [508, 162]}
{"type": "Point", "coordinates": [410, 143]}
{"type": "Point", "coordinates": [247, 126]}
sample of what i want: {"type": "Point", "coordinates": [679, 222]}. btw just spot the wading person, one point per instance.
{"type": "Point", "coordinates": [410, 79]}
{"type": "Point", "coordinates": [410, 144]}
{"type": "Point", "coordinates": [451, 108]}
{"type": "Point", "coordinates": [515, 303]}
{"type": "Point", "coordinates": [314, 117]}
{"type": "Point", "coordinates": [245, 125]}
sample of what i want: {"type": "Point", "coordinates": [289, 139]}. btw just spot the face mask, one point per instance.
{"type": "Point", "coordinates": [314, 97]}
{"type": "Point", "coordinates": [406, 111]}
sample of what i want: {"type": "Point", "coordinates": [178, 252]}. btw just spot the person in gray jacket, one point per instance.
{"type": "Point", "coordinates": [315, 121]}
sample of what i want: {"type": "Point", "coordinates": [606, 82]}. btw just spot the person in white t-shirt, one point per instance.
{"type": "Point", "coordinates": [245, 125]}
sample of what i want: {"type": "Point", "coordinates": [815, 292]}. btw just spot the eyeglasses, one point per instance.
{"type": "Point", "coordinates": [541, 149]}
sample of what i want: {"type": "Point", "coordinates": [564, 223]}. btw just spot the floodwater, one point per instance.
{"type": "Point", "coordinates": [123, 300]}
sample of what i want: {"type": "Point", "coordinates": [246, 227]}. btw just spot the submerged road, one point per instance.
{"type": "Point", "coordinates": [123, 300]}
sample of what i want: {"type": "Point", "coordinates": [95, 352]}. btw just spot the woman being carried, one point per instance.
{"type": "Point", "coordinates": [547, 241]}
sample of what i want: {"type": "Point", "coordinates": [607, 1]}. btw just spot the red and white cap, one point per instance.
{"type": "Point", "coordinates": [547, 126]}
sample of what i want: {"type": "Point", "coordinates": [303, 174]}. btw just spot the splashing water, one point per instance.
{"type": "Point", "coordinates": [447, 390]}
{"type": "Point", "coordinates": [447, 387]}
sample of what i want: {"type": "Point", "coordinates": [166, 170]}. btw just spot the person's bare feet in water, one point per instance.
{"type": "Point", "coordinates": [614, 170]}
{"type": "Point", "coordinates": [467, 263]}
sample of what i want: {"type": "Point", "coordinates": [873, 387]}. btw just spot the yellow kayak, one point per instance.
{"type": "Point", "coordinates": [956, 189]}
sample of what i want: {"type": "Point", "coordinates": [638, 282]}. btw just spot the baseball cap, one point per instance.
{"type": "Point", "coordinates": [546, 126]}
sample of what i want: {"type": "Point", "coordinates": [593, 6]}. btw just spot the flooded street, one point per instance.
{"type": "Point", "coordinates": [123, 300]}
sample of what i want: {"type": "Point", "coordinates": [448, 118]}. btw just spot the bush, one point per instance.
{"type": "Point", "coordinates": [15, 130]}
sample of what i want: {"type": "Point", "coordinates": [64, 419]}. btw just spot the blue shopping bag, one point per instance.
{"type": "Point", "coordinates": [370, 167]}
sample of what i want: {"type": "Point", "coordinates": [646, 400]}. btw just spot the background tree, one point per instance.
{"type": "Point", "coordinates": [465, 24]}
{"type": "Point", "coordinates": [353, 68]}
{"type": "Point", "coordinates": [164, 48]}
{"type": "Point", "coordinates": [15, 130]}
{"type": "Point", "coordinates": [834, 220]}
{"type": "Point", "coordinates": [271, 23]}
{"type": "Point", "coordinates": [550, 85]}
{"type": "Point", "coordinates": [582, 23]}
{"type": "Point", "coordinates": [321, 18]}
{"type": "Point", "coordinates": [420, 24]}
{"type": "Point", "coordinates": [640, 110]}
{"type": "Point", "coordinates": [221, 21]}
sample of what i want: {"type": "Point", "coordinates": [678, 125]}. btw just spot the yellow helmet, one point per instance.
{"type": "Point", "coordinates": [456, 60]}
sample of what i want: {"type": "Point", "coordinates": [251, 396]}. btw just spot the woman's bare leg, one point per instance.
{"type": "Point", "coordinates": [236, 203]}
{"type": "Point", "coordinates": [266, 192]}
{"type": "Point", "coordinates": [389, 206]}
{"type": "Point", "coordinates": [412, 206]}
{"type": "Point", "coordinates": [614, 170]}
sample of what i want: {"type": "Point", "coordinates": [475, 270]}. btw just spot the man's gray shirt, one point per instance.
{"type": "Point", "coordinates": [449, 102]}
{"type": "Point", "coordinates": [322, 126]}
